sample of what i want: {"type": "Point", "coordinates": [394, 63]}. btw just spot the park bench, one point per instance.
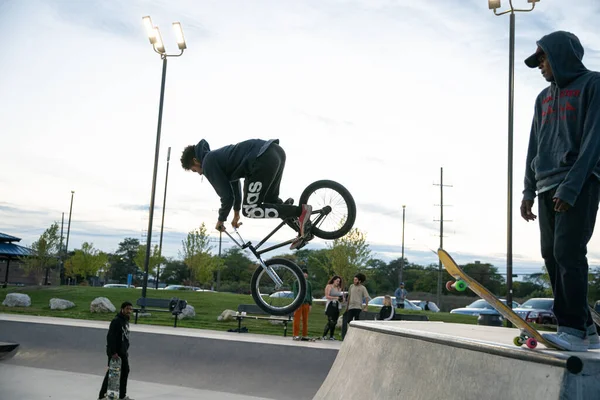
{"type": "Point", "coordinates": [258, 313]}
{"type": "Point", "coordinates": [370, 316]}
{"type": "Point", "coordinates": [173, 305]}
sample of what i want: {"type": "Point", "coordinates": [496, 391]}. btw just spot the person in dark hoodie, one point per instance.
{"type": "Point", "coordinates": [261, 164]}
{"type": "Point", "coordinates": [563, 167]}
{"type": "Point", "coordinates": [117, 346]}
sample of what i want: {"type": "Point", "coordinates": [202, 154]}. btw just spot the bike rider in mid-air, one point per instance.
{"type": "Point", "coordinates": [261, 164]}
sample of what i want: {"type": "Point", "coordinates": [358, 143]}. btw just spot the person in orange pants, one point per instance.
{"type": "Point", "coordinates": [303, 310]}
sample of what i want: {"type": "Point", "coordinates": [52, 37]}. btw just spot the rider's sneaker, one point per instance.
{"type": "Point", "coordinates": [304, 218]}
{"type": "Point", "coordinates": [297, 243]}
{"type": "Point", "coordinates": [594, 341]}
{"type": "Point", "coordinates": [567, 341]}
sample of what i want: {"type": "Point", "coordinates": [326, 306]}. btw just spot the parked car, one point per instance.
{"type": "Point", "coordinates": [283, 294]}
{"type": "Point", "coordinates": [431, 305]}
{"type": "Point", "coordinates": [118, 285]}
{"type": "Point", "coordinates": [181, 287]}
{"type": "Point", "coordinates": [480, 307]}
{"type": "Point", "coordinates": [408, 305]}
{"type": "Point", "coordinates": [538, 310]}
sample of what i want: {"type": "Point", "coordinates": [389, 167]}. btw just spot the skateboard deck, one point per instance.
{"type": "Point", "coordinates": [595, 316]}
{"type": "Point", "coordinates": [114, 378]}
{"type": "Point", "coordinates": [307, 339]}
{"type": "Point", "coordinates": [529, 335]}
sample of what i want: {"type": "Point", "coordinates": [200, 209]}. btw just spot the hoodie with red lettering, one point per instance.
{"type": "Point", "coordinates": [564, 143]}
{"type": "Point", "coordinates": [225, 167]}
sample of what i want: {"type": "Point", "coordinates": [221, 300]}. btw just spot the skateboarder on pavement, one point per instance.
{"type": "Point", "coordinates": [117, 346]}
{"type": "Point", "coordinates": [563, 167]}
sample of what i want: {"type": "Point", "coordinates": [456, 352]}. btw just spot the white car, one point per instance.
{"type": "Point", "coordinates": [378, 302]}
{"type": "Point", "coordinates": [421, 303]}
{"type": "Point", "coordinates": [118, 285]}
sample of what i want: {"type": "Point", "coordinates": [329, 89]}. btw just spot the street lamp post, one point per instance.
{"type": "Point", "coordinates": [163, 218]}
{"type": "Point", "coordinates": [495, 5]}
{"type": "Point", "coordinates": [159, 47]}
{"type": "Point", "coordinates": [402, 259]}
{"type": "Point", "coordinates": [68, 233]}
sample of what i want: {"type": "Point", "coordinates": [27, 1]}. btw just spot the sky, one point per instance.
{"type": "Point", "coordinates": [378, 95]}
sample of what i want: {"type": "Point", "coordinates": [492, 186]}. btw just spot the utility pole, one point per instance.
{"type": "Point", "coordinates": [441, 220]}
{"type": "Point", "coordinates": [68, 232]}
{"type": "Point", "coordinates": [402, 259]}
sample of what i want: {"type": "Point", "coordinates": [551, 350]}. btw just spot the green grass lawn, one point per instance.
{"type": "Point", "coordinates": [208, 306]}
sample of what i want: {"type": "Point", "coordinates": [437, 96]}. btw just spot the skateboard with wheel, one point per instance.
{"type": "Point", "coordinates": [307, 338]}
{"type": "Point", "coordinates": [114, 378]}
{"type": "Point", "coordinates": [595, 315]}
{"type": "Point", "coordinates": [529, 335]}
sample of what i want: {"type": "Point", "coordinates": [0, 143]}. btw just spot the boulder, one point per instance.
{"type": "Point", "coordinates": [60, 304]}
{"type": "Point", "coordinates": [101, 305]}
{"type": "Point", "coordinates": [274, 321]}
{"type": "Point", "coordinates": [227, 315]}
{"type": "Point", "coordinates": [17, 300]}
{"type": "Point", "coordinates": [187, 312]}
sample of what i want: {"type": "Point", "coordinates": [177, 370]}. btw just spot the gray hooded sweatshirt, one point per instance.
{"type": "Point", "coordinates": [564, 143]}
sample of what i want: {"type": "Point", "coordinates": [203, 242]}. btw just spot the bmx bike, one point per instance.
{"type": "Point", "coordinates": [278, 285]}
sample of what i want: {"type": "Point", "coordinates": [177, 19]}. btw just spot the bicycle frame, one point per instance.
{"type": "Point", "coordinates": [255, 249]}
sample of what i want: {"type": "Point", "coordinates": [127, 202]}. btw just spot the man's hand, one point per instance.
{"type": "Point", "coordinates": [236, 219]}
{"type": "Point", "coordinates": [526, 210]}
{"type": "Point", "coordinates": [309, 308]}
{"type": "Point", "coordinates": [115, 356]}
{"type": "Point", "coordinates": [560, 206]}
{"type": "Point", "coordinates": [220, 226]}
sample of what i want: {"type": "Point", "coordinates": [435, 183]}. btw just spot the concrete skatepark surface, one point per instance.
{"type": "Point", "coordinates": [68, 356]}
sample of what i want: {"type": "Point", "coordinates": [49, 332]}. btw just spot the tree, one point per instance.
{"type": "Point", "coordinates": [348, 254]}
{"type": "Point", "coordinates": [44, 254]}
{"type": "Point", "coordinates": [196, 255]}
{"type": "Point", "coordinates": [155, 259]}
{"type": "Point", "coordinates": [174, 272]}
{"type": "Point", "coordinates": [86, 261]}
{"type": "Point", "coordinates": [122, 262]}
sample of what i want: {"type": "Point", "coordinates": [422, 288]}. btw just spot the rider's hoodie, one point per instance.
{"type": "Point", "coordinates": [225, 167]}
{"type": "Point", "coordinates": [564, 143]}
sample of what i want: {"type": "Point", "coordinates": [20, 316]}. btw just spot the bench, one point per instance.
{"type": "Point", "coordinates": [245, 309]}
{"type": "Point", "coordinates": [173, 305]}
{"type": "Point", "coordinates": [370, 316]}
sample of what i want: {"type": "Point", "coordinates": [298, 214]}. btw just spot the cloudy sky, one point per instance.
{"type": "Point", "coordinates": [375, 94]}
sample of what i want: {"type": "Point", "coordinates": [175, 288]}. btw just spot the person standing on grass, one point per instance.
{"type": "Point", "coordinates": [356, 293]}
{"type": "Point", "coordinates": [117, 346]}
{"type": "Point", "coordinates": [302, 311]}
{"type": "Point", "coordinates": [334, 296]}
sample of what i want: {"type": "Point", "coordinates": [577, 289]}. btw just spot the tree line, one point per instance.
{"type": "Point", "coordinates": [198, 265]}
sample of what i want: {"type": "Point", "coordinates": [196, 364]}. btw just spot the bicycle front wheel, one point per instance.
{"type": "Point", "coordinates": [278, 298]}
{"type": "Point", "coordinates": [334, 210]}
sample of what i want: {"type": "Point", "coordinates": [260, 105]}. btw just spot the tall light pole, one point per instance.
{"type": "Point", "coordinates": [159, 47]}
{"type": "Point", "coordinates": [68, 232]}
{"type": "Point", "coordinates": [163, 218]}
{"type": "Point", "coordinates": [495, 5]}
{"type": "Point", "coordinates": [402, 259]}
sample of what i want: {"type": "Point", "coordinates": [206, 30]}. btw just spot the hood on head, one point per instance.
{"type": "Point", "coordinates": [564, 52]}
{"type": "Point", "coordinates": [201, 149]}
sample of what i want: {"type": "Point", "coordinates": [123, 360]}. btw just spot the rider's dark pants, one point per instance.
{"type": "Point", "coordinates": [123, 381]}
{"type": "Point", "coordinates": [261, 187]}
{"type": "Point", "coordinates": [564, 237]}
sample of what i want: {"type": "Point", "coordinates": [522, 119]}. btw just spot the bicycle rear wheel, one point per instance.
{"type": "Point", "coordinates": [334, 210]}
{"type": "Point", "coordinates": [278, 299]}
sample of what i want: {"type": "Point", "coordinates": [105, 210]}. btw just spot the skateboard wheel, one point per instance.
{"type": "Point", "coordinates": [531, 343]}
{"type": "Point", "coordinates": [518, 341]}
{"type": "Point", "coordinates": [461, 286]}
{"type": "Point", "coordinates": [449, 286]}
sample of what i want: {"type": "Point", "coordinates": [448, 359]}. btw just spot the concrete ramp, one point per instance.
{"type": "Point", "coordinates": [7, 350]}
{"type": "Point", "coordinates": [421, 361]}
